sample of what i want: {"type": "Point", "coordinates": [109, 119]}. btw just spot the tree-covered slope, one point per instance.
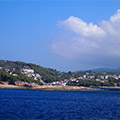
{"type": "Point", "coordinates": [47, 75]}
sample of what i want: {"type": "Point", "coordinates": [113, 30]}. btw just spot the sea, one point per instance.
{"type": "Point", "coordinates": [21, 104]}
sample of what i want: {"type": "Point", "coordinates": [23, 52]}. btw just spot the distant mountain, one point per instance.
{"type": "Point", "coordinates": [107, 69]}
{"type": "Point", "coordinates": [102, 70]}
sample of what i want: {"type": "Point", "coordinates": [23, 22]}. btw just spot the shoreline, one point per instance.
{"type": "Point", "coordinates": [48, 87]}
{"type": "Point", "coordinates": [61, 88]}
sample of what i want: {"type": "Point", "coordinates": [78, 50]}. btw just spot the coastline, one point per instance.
{"type": "Point", "coordinates": [49, 87]}
{"type": "Point", "coordinates": [11, 87]}
{"type": "Point", "coordinates": [61, 88]}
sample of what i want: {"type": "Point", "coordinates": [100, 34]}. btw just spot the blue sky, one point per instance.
{"type": "Point", "coordinates": [58, 34]}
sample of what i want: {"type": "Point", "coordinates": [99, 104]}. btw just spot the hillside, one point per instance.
{"type": "Point", "coordinates": [47, 75]}
{"type": "Point", "coordinates": [21, 73]}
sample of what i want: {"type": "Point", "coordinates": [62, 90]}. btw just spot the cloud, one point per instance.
{"type": "Point", "coordinates": [80, 27]}
{"type": "Point", "coordinates": [90, 42]}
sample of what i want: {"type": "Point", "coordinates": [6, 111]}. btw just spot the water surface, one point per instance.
{"type": "Point", "coordinates": [59, 105]}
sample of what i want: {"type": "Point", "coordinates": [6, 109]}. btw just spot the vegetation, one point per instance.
{"type": "Point", "coordinates": [47, 74]}
{"type": "Point", "coordinates": [6, 77]}
{"type": "Point", "coordinates": [50, 75]}
{"type": "Point", "coordinates": [89, 83]}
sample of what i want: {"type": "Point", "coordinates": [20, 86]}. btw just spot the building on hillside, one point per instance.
{"type": "Point", "coordinates": [26, 71]}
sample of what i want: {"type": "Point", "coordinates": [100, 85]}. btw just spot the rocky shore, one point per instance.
{"type": "Point", "coordinates": [33, 86]}
{"type": "Point", "coordinates": [11, 87]}
{"type": "Point", "coordinates": [54, 88]}
{"type": "Point", "coordinates": [46, 87]}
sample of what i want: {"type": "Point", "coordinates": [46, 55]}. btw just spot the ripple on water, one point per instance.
{"type": "Point", "coordinates": [59, 105]}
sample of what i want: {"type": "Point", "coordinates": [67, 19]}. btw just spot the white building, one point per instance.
{"type": "Point", "coordinates": [25, 71]}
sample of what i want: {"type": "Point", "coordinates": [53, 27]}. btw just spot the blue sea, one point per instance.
{"type": "Point", "coordinates": [19, 104]}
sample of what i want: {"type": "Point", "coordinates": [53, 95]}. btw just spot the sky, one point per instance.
{"type": "Point", "coordinates": [66, 35]}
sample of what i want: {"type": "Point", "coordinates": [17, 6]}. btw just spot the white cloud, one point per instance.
{"type": "Point", "coordinates": [116, 17]}
{"type": "Point", "coordinates": [89, 41]}
{"type": "Point", "coordinates": [78, 26]}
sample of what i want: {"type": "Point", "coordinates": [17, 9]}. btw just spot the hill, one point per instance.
{"type": "Point", "coordinates": [21, 73]}
{"type": "Point", "coordinates": [47, 74]}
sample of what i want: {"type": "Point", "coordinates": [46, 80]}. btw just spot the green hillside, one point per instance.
{"type": "Point", "coordinates": [47, 75]}
{"type": "Point", "coordinates": [20, 71]}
